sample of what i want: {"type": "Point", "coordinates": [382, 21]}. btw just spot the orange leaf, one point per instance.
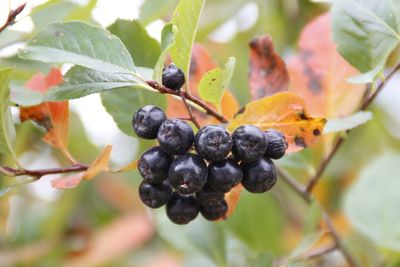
{"type": "Point", "coordinates": [68, 182]}
{"type": "Point", "coordinates": [130, 167]}
{"type": "Point", "coordinates": [229, 105]}
{"type": "Point", "coordinates": [232, 199]}
{"type": "Point", "coordinates": [268, 73]}
{"type": "Point", "coordinates": [318, 73]}
{"type": "Point", "coordinates": [285, 112]}
{"type": "Point", "coordinates": [53, 116]}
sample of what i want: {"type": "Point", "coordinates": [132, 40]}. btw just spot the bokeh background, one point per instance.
{"type": "Point", "coordinates": [103, 223]}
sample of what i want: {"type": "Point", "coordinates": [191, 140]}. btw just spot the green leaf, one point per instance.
{"type": "Point", "coordinates": [306, 244]}
{"type": "Point", "coordinates": [167, 40]}
{"type": "Point", "coordinates": [7, 130]}
{"type": "Point", "coordinates": [144, 50]}
{"type": "Point", "coordinates": [155, 9]}
{"type": "Point", "coordinates": [347, 123]}
{"type": "Point", "coordinates": [121, 104]}
{"type": "Point", "coordinates": [80, 81]}
{"type": "Point", "coordinates": [84, 12]}
{"type": "Point", "coordinates": [228, 72]}
{"type": "Point", "coordinates": [372, 204]}
{"type": "Point", "coordinates": [81, 44]}
{"type": "Point", "coordinates": [313, 219]}
{"type": "Point", "coordinates": [186, 18]}
{"type": "Point", "coordinates": [210, 88]}
{"type": "Point", "coordinates": [368, 77]}
{"type": "Point", "coordinates": [366, 31]}
{"type": "Point", "coordinates": [24, 96]}
{"type": "Point", "coordinates": [263, 260]}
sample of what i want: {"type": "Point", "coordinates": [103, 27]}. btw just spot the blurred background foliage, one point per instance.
{"type": "Point", "coordinates": [102, 223]}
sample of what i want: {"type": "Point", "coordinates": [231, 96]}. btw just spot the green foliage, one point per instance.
{"type": "Point", "coordinates": [155, 9]}
{"type": "Point", "coordinates": [167, 40]}
{"type": "Point", "coordinates": [24, 96]}
{"type": "Point", "coordinates": [347, 123]}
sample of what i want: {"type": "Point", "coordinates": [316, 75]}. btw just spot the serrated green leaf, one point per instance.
{"type": "Point", "coordinates": [167, 40]}
{"type": "Point", "coordinates": [7, 130]}
{"type": "Point", "coordinates": [144, 50]}
{"type": "Point", "coordinates": [366, 31]}
{"type": "Point", "coordinates": [347, 123]}
{"type": "Point", "coordinates": [186, 18]}
{"type": "Point", "coordinates": [121, 104]}
{"type": "Point", "coordinates": [372, 203]}
{"type": "Point", "coordinates": [210, 88]}
{"type": "Point", "coordinates": [155, 9]}
{"type": "Point", "coordinates": [81, 44]}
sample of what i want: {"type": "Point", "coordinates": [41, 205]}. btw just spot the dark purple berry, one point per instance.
{"type": "Point", "coordinates": [214, 211]}
{"type": "Point", "coordinates": [147, 120]}
{"type": "Point", "coordinates": [213, 142]}
{"type": "Point", "coordinates": [207, 196]}
{"type": "Point", "coordinates": [259, 176]}
{"type": "Point", "coordinates": [175, 136]}
{"type": "Point", "coordinates": [154, 165]}
{"type": "Point", "coordinates": [277, 144]}
{"type": "Point", "coordinates": [188, 173]}
{"type": "Point", "coordinates": [155, 195]}
{"type": "Point", "coordinates": [173, 77]}
{"type": "Point", "coordinates": [182, 209]}
{"type": "Point", "coordinates": [223, 175]}
{"type": "Point", "coordinates": [249, 143]}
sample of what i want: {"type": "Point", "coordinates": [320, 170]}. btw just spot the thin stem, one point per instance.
{"type": "Point", "coordinates": [12, 16]}
{"type": "Point", "coordinates": [189, 110]}
{"type": "Point", "coordinates": [7, 171]}
{"type": "Point", "coordinates": [313, 254]}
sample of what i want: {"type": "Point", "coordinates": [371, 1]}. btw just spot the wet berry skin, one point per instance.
{"type": "Point", "coordinates": [155, 195]}
{"type": "Point", "coordinates": [188, 173]}
{"type": "Point", "coordinates": [277, 144]}
{"type": "Point", "coordinates": [154, 165]}
{"type": "Point", "coordinates": [213, 142]}
{"type": "Point", "coordinates": [182, 209]}
{"type": "Point", "coordinates": [223, 175]}
{"type": "Point", "coordinates": [259, 176]}
{"type": "Point", "coordinates": [214, 211]}
{"type": "Point", "coordinates": [173, 77]}
{"type": "Point", "coordinates": [249, 143]}
{"type": "Point", "coordinates": [147, 120]}
{"type": "Point", "coordinates": [207, 196]}
{"type": "Point", "coordinates": [175, 136]}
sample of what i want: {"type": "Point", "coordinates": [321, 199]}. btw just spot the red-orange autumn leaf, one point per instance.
{"type": "Point", "coordinates": [318, 73]}
{"type": "Point", "coordinates": [268, 74]}
{"type": "Point", "coordinates": [53, 116]}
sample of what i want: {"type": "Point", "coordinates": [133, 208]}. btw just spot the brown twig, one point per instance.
{"type": "Point", "coordinates": [324, 164]}
{"type": "Point", "coordinates": [310, 255]}
{"type": "Point", "coordinates": [12, 16]}
{"type": "Point", "coordinates": [7, 171]}
{"type": "Point", "coordinates": [189, 110]}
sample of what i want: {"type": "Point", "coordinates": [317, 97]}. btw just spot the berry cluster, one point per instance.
{"type": "Point", "coordinates": [191, 182]}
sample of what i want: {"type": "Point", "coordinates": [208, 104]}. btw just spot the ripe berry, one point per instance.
{"type": "Point", "coordinates": [155, 195]}
{"type": "Point", "coordinates": [259, 176]}
{"type": "Point", "coordinates": [213, 142]}
{"type": "Point", "coordinates": [154, 165]}
{"type": "Point", "coordinates": [187, 173]}
{"type": "Point", "coordinates": [249, 143]}
{"type": "Point", "coordinates": [182, 209]}
{"type": "Point", "coordinates": [173, 77]}
{"type": "Point", "coordinates": [223, 175]}
{"type": "Point", "coordinates": [277, 144]}
{"type": "Point", "coordinates": [147, 120]}
{"type": "Point", "coordinates": [214, 211]}
{"type": "Point", "coordinates": [207, 196]}
{"type": "Point", "coordinates": [175, 136]}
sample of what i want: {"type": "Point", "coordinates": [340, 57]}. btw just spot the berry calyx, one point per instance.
{"type": "Point", "coordinates": [277, 144]}
{"type": "Point", "coordinates": [259, 176]}
{"type": "Point", "coordinates": [249, 143]}
{"type": "Point", "coordinates": [214, 211]}
{"type": "Point", "coordinates": [155, 195]}
{"type": "Point", "coordinates": [147, 120]}
{"type": "Point", "coordinates": [213, 142]}
{"type": "Point", "coordinates": [173, 77]}
{"type": "Point", "coordinates": [223, 175]}
{"type": "Point", "coordinates": [182, 209]}
{"type": "Point", "coordinates": [154, 165]}
{"type": "Point", "coordinates": [207, 196]}
{"type": "Point", "coordinates": [188, 173]}
{"type": "Point", "coordinates": [175, 136]}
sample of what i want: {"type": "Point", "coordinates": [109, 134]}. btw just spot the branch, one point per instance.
{"type": "Point", "coordinates": [209, 110]}
{"type": "Point", "coordinates": [313, 254]}
{"type": "Point", "coordinates": [7, 171]}
{"type": "Point", "coordinates": [12, 16]}
{"type": "Point", "coordinates": [189, 110]}
{"type": "Point", "coordinates": [324, 164]}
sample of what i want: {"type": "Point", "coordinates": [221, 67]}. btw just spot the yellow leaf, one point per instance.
{"type": "Point", "coordinates": [100, 164]}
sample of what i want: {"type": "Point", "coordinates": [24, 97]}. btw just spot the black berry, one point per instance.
{"type": "Point", "coordinates": [147, 120]}
{"type": "Point", "coordinates": [182, 209]}
{"type": "Point", "coordinates": [277, 144]}
{"type": "Point", "coordinates": [154, 165]}
{"type": "Point", "coordinates": [175, 136]}
{"type": "Point", "coordinates": [188, 173]}
{"type": "Point", "coordinates": [173, 77]}
{"type": "Point", "coordinates": [155, 195]}
{"type": "Point", "coordinates": [214, 211]}
{"type": "Point", "coordinates": [259, 176]}
{"type": "Point", "coordinates": [213, 142]}
{"type": "Point", "coordinates": [223, 175]}
{"type": "Point", "coordinates": [207, 196]}
{"type": "Point", "coordinates": [249, 143]}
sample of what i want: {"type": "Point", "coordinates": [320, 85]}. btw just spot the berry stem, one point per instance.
{"type": "Point", "coordinates": [189, 110]}
{"type": "Point", "coordinates": [8, 171]}
{"type": "Point", "coordinates": [12, 16]}
{"type": "Point", "coordinates": [209, 110]}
